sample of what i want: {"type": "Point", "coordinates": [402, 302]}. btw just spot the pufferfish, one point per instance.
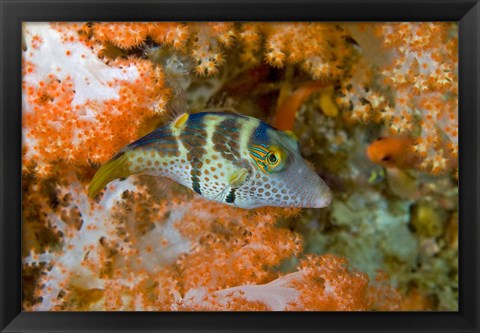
{"type": "Point", "coordinates": [229, 158]}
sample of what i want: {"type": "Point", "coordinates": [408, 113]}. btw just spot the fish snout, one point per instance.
{"type": "Point", "coordinates": [319, 193]}
{"type": "Point", "coordinates": [312, 190]}
{"type": "Point", "coordinates": [323, 197]}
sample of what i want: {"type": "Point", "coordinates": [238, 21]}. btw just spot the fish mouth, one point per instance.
{"type": "Point", "coordinates": [323, 200]}
{"type": "Point", "coordinates": [319, 197]}
{"type": "Point", "coordinates": [312, 190]}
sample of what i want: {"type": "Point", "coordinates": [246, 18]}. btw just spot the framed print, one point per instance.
{"type": "Point", "coordinates": [250, 166]}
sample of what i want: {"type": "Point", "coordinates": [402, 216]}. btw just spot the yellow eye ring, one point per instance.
{"type": "Point", "coordinates": [273, 158]}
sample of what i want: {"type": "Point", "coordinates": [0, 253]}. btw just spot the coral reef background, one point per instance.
{"type": "Point", "coordinates": [387, 242]}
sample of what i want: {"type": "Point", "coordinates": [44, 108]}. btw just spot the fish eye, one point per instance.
{"type": "Point", "coordinates": [272, 158]}
{"type": "Point", "coordinates": [387, 158]}
{"type": "Point", "coordinates": [275, 159]}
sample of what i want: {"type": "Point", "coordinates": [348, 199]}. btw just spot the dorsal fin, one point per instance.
{"type": "Point", "coordinates": [180, 121]}
{"type": "Point", "coordinates": [222, 110]}
{"type": "Point", "coordinates": [158, 134]}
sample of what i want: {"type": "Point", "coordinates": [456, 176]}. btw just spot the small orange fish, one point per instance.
{"type": "Point", "coordinates": [394, 152]}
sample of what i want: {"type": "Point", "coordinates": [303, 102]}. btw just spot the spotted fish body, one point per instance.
{"type": "Point", "coordinates": [228, 158]}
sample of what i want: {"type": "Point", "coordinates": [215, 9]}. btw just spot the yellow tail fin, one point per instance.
{"type": "Point", "coordinates": [115, 168]}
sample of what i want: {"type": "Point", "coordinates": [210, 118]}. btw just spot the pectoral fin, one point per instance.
{"type": "Point", "coordinates": [239, 178]}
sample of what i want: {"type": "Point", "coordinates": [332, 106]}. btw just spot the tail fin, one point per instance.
{"type": "Point", "coordinates": [115, 168]}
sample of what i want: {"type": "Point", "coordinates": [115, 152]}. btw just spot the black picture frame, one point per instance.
{"type": "Point", "coordinates": [13, 12]}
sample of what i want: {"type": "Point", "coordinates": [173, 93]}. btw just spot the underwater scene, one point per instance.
{"type": "Point", "coordinates": [254, 166]}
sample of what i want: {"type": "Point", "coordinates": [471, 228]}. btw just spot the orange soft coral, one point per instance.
{"type": "Point", "coordinates": [317, 47]}
{"type": "Point", "coordinates": [328, 284]}
{"type": "Point", "coordinates": [416, 93]}
{"type": "Point", "coordinates": [321, 283]}
{"type": "Point", "coordinates": [207, 39]}
{"type": "Point", "coordinates": [132, 250]}
{"type": "Point", "coordinates": [121, 34]}
{"type": "Point", "coordinates": [244, 247]}
{"type": "Point", "coordinates": [251, 41]}
{"type": "Point", "coordinates": [174, 34]}
{"type": "Point", "coordinates": [126, 35]}
{"type": "Point", "coordinates": [207, 46]}
{"type": "Point", "coordinates": [69, 106]}
{"type": "Point", "coordinates": [153, 250]}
